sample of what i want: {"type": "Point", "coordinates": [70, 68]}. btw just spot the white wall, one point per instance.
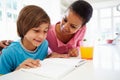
{"type": "Point", "coordinates": [52, 7]}
{"type": "Point", "coordinates": [105, 3]}
{"type": "Point", "coordinates": [8, 28]}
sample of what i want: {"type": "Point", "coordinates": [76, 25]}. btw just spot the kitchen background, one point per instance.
{"type": "Point", "coordinates": [104, 25]}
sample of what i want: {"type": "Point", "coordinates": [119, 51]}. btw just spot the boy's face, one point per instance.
{"type": "Point", "coordinates": [35, 36]}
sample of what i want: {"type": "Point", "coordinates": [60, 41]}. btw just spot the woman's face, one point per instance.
{"type": "Point", "coordinates": [71, 23]}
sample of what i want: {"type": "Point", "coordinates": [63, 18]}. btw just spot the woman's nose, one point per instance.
{"type": "Point", "coordinates": [66, 26]}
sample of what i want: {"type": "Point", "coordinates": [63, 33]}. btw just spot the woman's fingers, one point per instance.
{"type": "Point", "coordinates": [5, 43]}
{"type": "Point", "coordinates": [73, 52]}
{"type": "Point", "coordinates": [2, 43]}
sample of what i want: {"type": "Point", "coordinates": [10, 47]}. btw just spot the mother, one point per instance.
{"type": "Point", "coordinates": [65, 37]}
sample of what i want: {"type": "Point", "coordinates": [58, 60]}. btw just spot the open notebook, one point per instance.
{"type": "Point", "coordinates": [56, 68]}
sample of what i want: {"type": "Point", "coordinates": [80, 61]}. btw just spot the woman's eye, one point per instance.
{"type": "Point", "coordinates": [73, 26]}
{"type": "Point", "coordinates": [65, 20]}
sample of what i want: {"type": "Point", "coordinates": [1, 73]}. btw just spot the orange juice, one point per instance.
{"type": "Point", "coordinates": [86, 52]}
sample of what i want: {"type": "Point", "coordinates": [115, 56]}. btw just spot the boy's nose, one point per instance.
{"type": "Point", "coordinates": [41, 36]}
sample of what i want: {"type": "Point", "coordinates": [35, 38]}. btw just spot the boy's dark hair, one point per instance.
{"type": "Point", "coordinates": [82, 9]}
{"type": "Point", "coordinates": [29, 17]}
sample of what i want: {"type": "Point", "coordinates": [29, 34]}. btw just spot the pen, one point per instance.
{"type": "Point", "coordinates": [80, 63]}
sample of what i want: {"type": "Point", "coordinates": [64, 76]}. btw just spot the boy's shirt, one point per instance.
{"type": "Point", "coordinates": [15, 54]}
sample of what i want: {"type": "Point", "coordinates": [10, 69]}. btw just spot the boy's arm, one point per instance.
{"type": "Point", "coordinates": [5, 62]}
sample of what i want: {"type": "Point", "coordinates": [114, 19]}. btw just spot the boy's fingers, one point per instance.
{"type": "Point", "coordinates": [36, 63]}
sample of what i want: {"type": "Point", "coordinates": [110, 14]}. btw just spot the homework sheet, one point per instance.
{"type": "Point", "coordinates": [55, 68]}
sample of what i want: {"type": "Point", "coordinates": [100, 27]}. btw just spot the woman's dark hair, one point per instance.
{"type": "Point", "coordinates": [82, 9]}
{"type": "Point", "coordinates": [29, 17]}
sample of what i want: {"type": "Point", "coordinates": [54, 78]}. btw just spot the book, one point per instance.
{"type": "Point", "coordinates": [56, 68]}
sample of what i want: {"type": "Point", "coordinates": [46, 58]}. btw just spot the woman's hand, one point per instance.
{"type": "Point", "coordinates": [29, 63]}
{"type": "Point", "coordinates": [73, 52]}
{"type": "Point", "coordinates": [5, 43]}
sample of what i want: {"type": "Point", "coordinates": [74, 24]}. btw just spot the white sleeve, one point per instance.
{"type": "Point", "coordinates": [49, 51]}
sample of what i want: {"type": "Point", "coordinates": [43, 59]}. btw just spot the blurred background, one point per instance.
{"type": "Point", "coordinates": [104, 25]}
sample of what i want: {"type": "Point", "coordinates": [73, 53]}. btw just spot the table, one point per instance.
{"type": "Point", "coordinates": [104, 66]}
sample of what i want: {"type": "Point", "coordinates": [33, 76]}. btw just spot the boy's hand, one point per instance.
{"type": "Point", "coordinates": [73, 52]}
{"type": "Point", "coordinates": [29, 63]}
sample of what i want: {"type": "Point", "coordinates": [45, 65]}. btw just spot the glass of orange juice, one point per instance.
{"type": "Point", "coordinates": [86, 52]}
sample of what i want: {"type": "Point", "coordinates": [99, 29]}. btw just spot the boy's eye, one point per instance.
{"type": "Point", "coordinates": [45, 31]}
{"type": "Point", "coordinates": [36, 30]}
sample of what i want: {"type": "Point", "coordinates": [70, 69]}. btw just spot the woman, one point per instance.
{"type": "Point", "coordinates": [66, 36]}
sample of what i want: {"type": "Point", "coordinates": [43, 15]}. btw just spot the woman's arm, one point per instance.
{"type": "Point", "coordinates": [4, 43]}
{"type": "Point", "coordinates": [58, 55]}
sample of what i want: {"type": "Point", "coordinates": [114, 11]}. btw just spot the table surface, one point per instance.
{"type": "Point", "coordinates": [104, 66]}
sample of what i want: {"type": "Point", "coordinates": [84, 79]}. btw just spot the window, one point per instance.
{"type": "Point", "coordinates": [116, 20]}
{"type": "Point", "coordinates": [0, 10]}
{"type": "Point", "coordinates": [0, 15]}
{"type": "Point", "coordinates": [8, 16]}
{"type": "Point", "coordinates": [108, 22]}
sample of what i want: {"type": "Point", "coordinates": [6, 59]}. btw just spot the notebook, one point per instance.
{"type": "Point", "coordinates": [56, 68]}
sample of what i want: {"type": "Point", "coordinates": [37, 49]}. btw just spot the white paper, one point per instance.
{"type": "Point", "coordinates": [55, 67]}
